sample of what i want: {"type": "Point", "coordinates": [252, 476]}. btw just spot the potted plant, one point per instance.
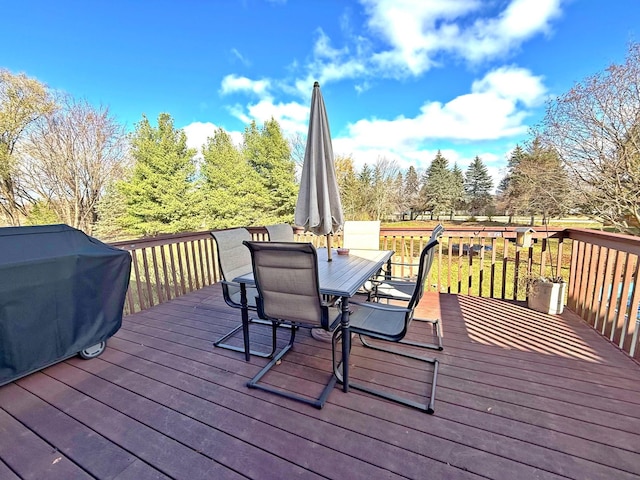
{"type": "Point", "coordinates": [545, 293]}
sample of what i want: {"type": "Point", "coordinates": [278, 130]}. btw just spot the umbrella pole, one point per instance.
{"type": "Point", "coordinates": [329, 259]}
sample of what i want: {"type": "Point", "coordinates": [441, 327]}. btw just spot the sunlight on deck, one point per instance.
{"type": "Point", "coordinates": [543, 334]}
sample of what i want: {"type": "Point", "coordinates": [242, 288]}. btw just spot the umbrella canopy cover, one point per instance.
{"type": "Point", "coordinates": [319, 209]}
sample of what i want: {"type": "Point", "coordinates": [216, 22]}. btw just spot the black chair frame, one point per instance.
{"type": "Point", "coordinates": [230, 239]}
{"type": "Point", "coordinates": [325, 322]}
{"type": "Point", "coordinates": [408, 287]}
{"type": "Point", "coordinates": [372, 320]}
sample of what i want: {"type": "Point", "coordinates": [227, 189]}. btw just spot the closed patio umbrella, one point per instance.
{"type": "Point", "coordinates": [319, 209]}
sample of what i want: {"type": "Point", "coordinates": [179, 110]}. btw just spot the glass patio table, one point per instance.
{"type": "Point", "coordinates": [341, 277]}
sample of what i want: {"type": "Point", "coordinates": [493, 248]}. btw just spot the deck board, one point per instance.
{"type": "Point", "coordinates": [520, 395]}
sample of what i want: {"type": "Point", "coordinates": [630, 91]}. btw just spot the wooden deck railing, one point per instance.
{"type": "Point", "coordinates": [485, 262]}
{"type": "Point", "coordinates": [168, 266]}
{"type": "Point", "coordinates": [603, 285]}
{"type": "Point", "coordinates": [601, 268]}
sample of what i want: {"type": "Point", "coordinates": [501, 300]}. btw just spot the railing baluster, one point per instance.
{"type": "Point", "coordinates": [156, 272]}
{"type": "Point", "coordinates": [609, 327]}
{"type": "Point", "coordinates": [607, 288]}
{"type": "Point", "coordinates": [505, 261]}
{"type": "Point", "coordinates": [460, 253]}
{"type": "Point", "coordinates": [516, 272]}
{"type": "Point", "coordinates": [481, 273]}
{"type": "Point", "coordinates": [631, 339]}
{"type": "Point", "coordinates": [207, 256]}
{"type": "Point", "coordinates": [584, 273]}
{"type": "Point", "coordinates": [439, 267]}
{"type": "Point", "coordinates": [147, 276]}
{"type": "Point", "coordinates": [492, 280]}
{"type": "Point", "coordinates": [597, 302]}
{"type": "Point", "coordinates": [172, 266]}
{"type": "Point", "coordinates": [165, 271]}
{"type": "Point", "coordinates": [573, 276]}
{"type": "Point", "coordinates": [470, 273]}
{"type": "Point", "coordinates": [591, 281]}
{"type": "Point", "coordinates": [622, 319]}
{"type": "Point", "coordinates": [136, 270]}
{"type": "Point", "coordinates": [194, 262]}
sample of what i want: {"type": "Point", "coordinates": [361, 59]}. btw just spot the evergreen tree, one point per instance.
{"type": "Point", "coordinates": [159, 196]}
{"type": "Point", "coordinates": [477, 186]}
{"type": "Point", "coordinates": [457, 190]}
{"type": "Point", "coordinates": [232, 193]}
{"type": "Point", "coordinates": [508, 189]}
{"type": "Point", "coordinates": [437, 191]}
{"type": "Point", "coordinates": [411, 192]}
{"type": "Point", "coordinates": [111, 209]}
{"type": "Point", "coordinates": [269, 154]}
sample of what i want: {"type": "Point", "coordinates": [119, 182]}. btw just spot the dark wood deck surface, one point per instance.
{"type": "Point", "coordinates": [521, 395]}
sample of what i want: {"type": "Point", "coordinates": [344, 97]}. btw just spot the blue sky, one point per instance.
{"type": "Point", "coordinates": [400, 78]}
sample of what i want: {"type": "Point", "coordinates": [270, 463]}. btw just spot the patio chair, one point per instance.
{"type": "Point", "coordinates": [281, 232]}
{"type": "Point", "coordinates": [286, 277]}
{"type": "Point", "coordinates": [402, 290]}
{"type": "Point", "coordinates": [390, 323]}
{"type": "Point", "coordinates": [363, 235]}
{"type": "Point", "coordinates": [234, 259]}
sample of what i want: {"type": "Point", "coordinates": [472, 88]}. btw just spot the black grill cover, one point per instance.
{"type": "Point", "coordinates": [61, 291]}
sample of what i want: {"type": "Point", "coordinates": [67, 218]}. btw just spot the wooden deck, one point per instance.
{"type": "Point", "coordinates": [521, 395]}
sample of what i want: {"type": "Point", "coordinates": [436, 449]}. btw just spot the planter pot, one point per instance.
{"type": "Point", "coordinates": [547, 297]}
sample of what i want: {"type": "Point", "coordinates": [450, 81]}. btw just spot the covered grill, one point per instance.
{"type": "Point", "coordinates": [62, 292]}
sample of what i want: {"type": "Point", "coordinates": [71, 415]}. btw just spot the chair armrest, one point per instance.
{"type": "Point", "coordinates": [406, 264]}
{"type": "Point", "coordinates": [391, 280]}
{"type": "Point", "coordinates": [381, 306]}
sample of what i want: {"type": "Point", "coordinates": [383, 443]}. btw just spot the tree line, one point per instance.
{"type": "Point", "coordinates": [64, 160]}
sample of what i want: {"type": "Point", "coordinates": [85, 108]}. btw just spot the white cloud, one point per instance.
{"type": "Point", "coordinates": [492, 110]}
{"type": "Point", "coordinates": [239, 56]}
{"type": "Point", "coordinates": [513, 83]}
{"type": "Point", "coordinates": [291, 116]}
{"type": "Point", "coordinates": [419, 32]}
{"type": "Point", "coordinates": [198, 132]}
{"type": "Point", "coordinates": [493, 37]}
{"type": "Point", "coordinates": [330, 64]}
{"type": "Point", "coordinates": [235, 83]}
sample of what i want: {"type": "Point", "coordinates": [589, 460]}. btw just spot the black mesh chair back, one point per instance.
{"type": "Point", "coordinates": [390, 323]}
{"type": "Point", "coordinates": [426, 260]}
{"type": "Point", "coordinates": [280, 232]}
{"type": "Point", "coordinates": [286, 278]}
{"type": "Point", "coordinates": [234, 260]}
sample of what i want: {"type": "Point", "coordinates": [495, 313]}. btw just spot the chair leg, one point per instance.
{"type": "Point", "coordinates": [218, 343]}
{"type": "Point", "coordinates": [425, 407]}
{"type": "Point", "coordinates": [432, 346]}
{"type": "Point", "coordinates": [317, 403]}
